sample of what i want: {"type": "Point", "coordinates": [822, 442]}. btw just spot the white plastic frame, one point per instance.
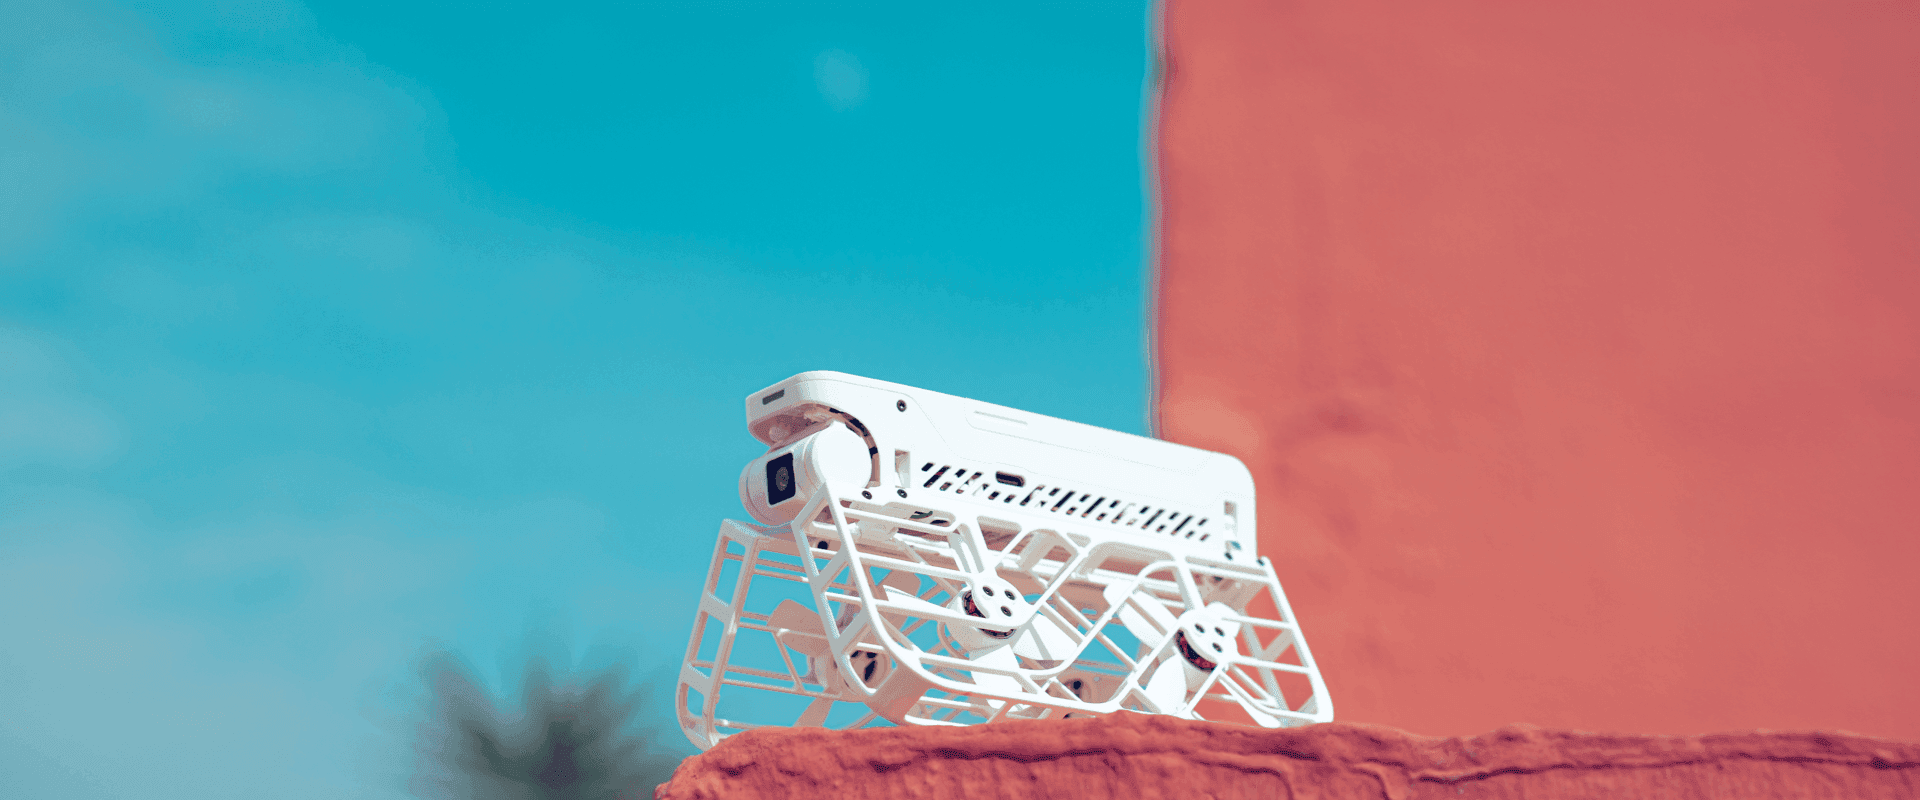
{"type": "Point", "coordinates": [860, 555]}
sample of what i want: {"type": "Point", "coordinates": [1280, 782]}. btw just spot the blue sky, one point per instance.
{"type": "Point", "coordinates": [331, 333]}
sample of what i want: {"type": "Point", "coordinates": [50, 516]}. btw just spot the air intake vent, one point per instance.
{"type": "Point", "coordinates": [1113, 510]}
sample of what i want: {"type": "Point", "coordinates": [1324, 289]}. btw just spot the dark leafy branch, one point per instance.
{"type": "Point", "coordinates": [575, 736]}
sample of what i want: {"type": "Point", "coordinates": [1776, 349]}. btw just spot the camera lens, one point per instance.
{"type": "Point", "coordinates": [780, 480]}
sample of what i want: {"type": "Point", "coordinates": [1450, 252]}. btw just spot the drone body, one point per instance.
{"type": "Point", "coordinates": [933, 560]}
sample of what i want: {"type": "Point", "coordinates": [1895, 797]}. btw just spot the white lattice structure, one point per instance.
{"type": "Point", "coordinates": [927, 559]}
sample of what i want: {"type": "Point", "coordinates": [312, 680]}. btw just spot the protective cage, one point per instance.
{"type": "Point", "coordinates": [859, 613]}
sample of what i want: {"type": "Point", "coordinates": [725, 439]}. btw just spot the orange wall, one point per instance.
{"type": "Point", "coordinates": [1575, 348]}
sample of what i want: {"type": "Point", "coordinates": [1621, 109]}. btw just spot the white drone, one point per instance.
{"type": "Point", "coordinates": [927, 559]}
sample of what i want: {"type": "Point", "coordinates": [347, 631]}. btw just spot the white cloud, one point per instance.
{"type": "Point", "coordinates": [841, 78]}
{"type": "Point", "coordinates": [100, 118]}
{"type": "Point", "coordinates": [104, 699]}
{"type": "Point", "coordinates": [45, 421]}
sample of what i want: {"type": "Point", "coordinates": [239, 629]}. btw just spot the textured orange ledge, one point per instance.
{"type": "Point", "coordinates": [1132, 755]}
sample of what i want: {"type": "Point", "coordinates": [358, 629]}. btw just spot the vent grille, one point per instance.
{"type": "Point", "coordinates": [1113, 510]}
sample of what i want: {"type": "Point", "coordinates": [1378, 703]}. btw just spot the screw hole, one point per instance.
{"type": "Point", "coordinates": [901, 404]}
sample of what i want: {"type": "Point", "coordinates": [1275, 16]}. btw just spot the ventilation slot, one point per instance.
{"type": "Point", "coordinates": [995, 487]}
{"type": "Point", "coordinates": [936, 476]}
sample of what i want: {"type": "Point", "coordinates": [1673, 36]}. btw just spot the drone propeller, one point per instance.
{"type": "Point", "coordinates": [1009, 628]}
{"type": "Point", "coordinates": [1026, 632]}
{"type": "Point", "coordinates": [993, 600]}
{"type": "Point", "coordinates": [791, 618]}
{"type": "Point", "coordinates": [1040, 639]}
{"type": "Point", "coordinates": [1204, 640]}
{"type": "Point", "coordinates": [800, 630]}
{"type": "Point", "coordinates": [983, 647]}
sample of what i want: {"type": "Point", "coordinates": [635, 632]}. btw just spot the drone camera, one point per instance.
{"type": "Point", "coordinates": [780, 483]}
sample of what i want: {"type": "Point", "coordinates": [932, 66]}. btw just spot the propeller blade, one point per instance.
{"type": "Point", "coordinates": [1252, 700]}
{"type": "Point", "coordinates": [969, 549]}
{"type": "Point", "coordinates": [1042, 639]}
{"type": "Point", "coordinates": [1141, 615]}
{"type": "Point", "coordinates": [917, 605]}
{"type": "Point", "coordinates": [1167, 686]}
{"type": "Point", "coordinates": [902, 581]}
{"type": "Point", "coordinates": [802, 629]}
{"type": "Point", "coordinates": [999, 656]}
{"type": "Point", "coordinates": [816, 714]}
{"type": "Point", "coordinates": [797, 627]}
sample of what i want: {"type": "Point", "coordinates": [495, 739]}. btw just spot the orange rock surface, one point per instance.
{"type": "Point", "coordinates": [1575, 348]}
{"type": "Point", "coordinates": [1134, 755]}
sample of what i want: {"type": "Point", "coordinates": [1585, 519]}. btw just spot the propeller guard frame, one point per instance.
{"type": "Point", "coordinates": [881, 582]}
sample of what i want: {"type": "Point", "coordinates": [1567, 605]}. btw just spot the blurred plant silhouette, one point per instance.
{"type": "Point", "coordinates": [578, 735]}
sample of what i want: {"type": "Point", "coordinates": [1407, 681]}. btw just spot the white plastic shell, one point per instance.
{"type": "Point", "coordinates": [1132, 487]}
